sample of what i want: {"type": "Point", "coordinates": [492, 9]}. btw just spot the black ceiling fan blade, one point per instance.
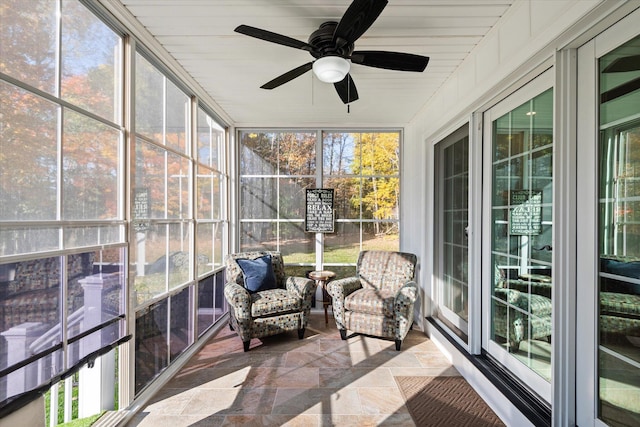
{"type": "Point", "coordinates": [346, 89]}
{"type": "Point", "coordinates": [625, 63]}
{"type": "Point", "coordinates": [288, 76]}
{"type": "Point", "coordinates": [390, 60]}
{"type": "Point", "coordinates": [272, 37]}
{"type": "Point", "coordinates": [356, 20]}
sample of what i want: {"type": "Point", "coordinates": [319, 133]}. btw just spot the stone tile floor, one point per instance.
{"type": "Point", "coordinates": [282, 381]}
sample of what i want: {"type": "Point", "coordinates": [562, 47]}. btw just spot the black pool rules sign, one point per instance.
{"type": "Point", "coordinates": [319, 210]}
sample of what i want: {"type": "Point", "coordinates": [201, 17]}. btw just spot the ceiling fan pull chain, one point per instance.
{"type": "Point", "coordinates": [348, 93]}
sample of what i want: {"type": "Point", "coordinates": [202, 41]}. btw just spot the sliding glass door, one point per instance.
{"type": "Point", "coordinates": [609, 256]}
{"type": "Point", "coordinates": [518, 233]}
{"type": "Point", "coordinates": [451, 233]}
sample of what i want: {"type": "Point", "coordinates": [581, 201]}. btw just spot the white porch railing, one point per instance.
{"type": "Point", "coordinates": [96, 385]}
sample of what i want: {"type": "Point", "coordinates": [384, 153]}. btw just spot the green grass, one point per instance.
{"type": "Point", "coordinates": [342, 254]}
{"type": "Point", "coordinates": [75, 421]}
{"type": "Point", "coordinates": [83, 422]}
{"type": "Point", "coordinates": [61, 390]}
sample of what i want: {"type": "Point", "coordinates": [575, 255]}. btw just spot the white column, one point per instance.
{"type": "Point", "coordinates": [96, 383]}
{"type": "Point", "coordinates": [96, 386]}
{"type": "Point", "coordinates": [19, 338]}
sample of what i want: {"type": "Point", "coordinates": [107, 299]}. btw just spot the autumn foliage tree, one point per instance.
{"type": "Point", "coordinates": [377, 161]}
{"type": "Point", "coordinates": [36, 165]}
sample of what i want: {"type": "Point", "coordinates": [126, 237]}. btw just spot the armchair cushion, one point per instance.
{"type": "Point", "coordinates": [371, 301]}
{"type": "Point", "coordinates": [274, 301]}
{"type": "Point", "coordinates": [257, 273]}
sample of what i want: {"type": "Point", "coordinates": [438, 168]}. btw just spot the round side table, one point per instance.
{"type": "Point", "coordinates": [322, 278]}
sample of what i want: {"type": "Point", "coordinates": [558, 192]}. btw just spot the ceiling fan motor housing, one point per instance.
{"type": "Point", "coordinates": [323, 45]}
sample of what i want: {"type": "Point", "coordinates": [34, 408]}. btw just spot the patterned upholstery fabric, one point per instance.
{"type": "Point", "coordinates": [371, 301]}
{"type": "Point", "coordinates": [620, 313]}
{"type": "Point", "coordinates": [269, 312]}
{"type": "Point", "coordinates": [524, 312]}
{"type": "Point", "coordinates": [620, 304]}
{"type": "Point", "coordinates": [274, 301]}
{"type": "Point", "coordinates": [620, 325]}
{"type": "Point", "coordinates": [521, 309]}
{"type": "Point", "coordinates": [379, 301]}
{"type": "Point", "coordinates": [382, 269]}
{"type": "Point", "coordinates": [519, 316]}
{"type": "Point", "coordinates": [533, 287]}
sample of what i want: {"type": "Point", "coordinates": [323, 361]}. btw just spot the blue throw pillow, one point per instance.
{"type": "Point", "coordinates": [258, 273]}
{"type": "Point", "coordinates": [621, 268]}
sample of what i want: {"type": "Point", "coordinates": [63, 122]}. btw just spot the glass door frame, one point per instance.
{"type": "Point", "coordinates": [587, 253]}
{"type": "Point", "coordinates": [452, 321]}
{"type": "Point", "coordinates": [528, 91]}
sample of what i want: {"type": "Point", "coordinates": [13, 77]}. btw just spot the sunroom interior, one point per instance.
{"type": "Point", "coordinates": [138, 149]}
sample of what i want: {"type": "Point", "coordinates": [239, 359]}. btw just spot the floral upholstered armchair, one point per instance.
{"type": "Point", "coordinates": [262, 300]}
{"type": "Point", "coordinates": [379, 300]}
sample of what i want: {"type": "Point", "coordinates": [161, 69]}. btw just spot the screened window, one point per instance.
{"type": "Point", "coordinates": [62, 231]}
{"type": "Point", "coordinates": [90, 62]}
{"type": "Point", "coordinates": [210, 192]}
{"type": "Point", "coordinates": [162, 222]}
{"type": "Point", "coordinates": [163, 178]}
{"type": "Point", "coordinates": [364, 170]}
{"type": "Point", "coordinates": [66, 248]}
{"type": "Point", "coordinates": [179, 219]}
{"type": "Point", "coordinates": [276, 168]}
{"type": "Point", "coordinates": [162, 109]}
{"type": "Point", "coordinates": [28, 42]}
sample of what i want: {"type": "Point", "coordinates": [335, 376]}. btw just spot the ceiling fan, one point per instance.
{"type": "Point", "coordinates": [332, 46]}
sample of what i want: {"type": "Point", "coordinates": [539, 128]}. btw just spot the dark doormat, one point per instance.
{"type": "Point", "coordinates": [445, 401]}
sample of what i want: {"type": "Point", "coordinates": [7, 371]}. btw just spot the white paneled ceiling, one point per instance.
{"type": "Point", "coordinates": [232, 67]}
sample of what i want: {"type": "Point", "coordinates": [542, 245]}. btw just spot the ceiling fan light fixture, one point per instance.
{"type": "Point", "coordinates": [331, 69]}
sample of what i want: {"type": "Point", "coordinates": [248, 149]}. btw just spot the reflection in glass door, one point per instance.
{"type": "Point", "coordinates": [452, 256]}
{"type": "Point", "coordinates": [521, 240]}
{"type": "Point", "coordinates": [618, 353]}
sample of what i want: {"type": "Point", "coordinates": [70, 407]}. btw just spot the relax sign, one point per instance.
{"type": "Point", "coordinates": [319, 210]}
{"type": "Point", "coordinates": [525, 218]}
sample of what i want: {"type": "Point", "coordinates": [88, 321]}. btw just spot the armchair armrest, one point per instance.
{"type": "Point", "coordinates": [239, 300]}
{"type": "Point", "coordinates": [341, 288]}
{"type": "Point", "coordinates": [302, 287]}
{"type": "Point", "coordinates": [403, 304]}
{"type": "Point", "coordinates": [407, 294]}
